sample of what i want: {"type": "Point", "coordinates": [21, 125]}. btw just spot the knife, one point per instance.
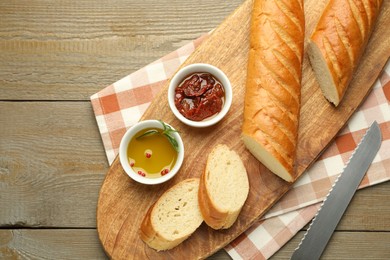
{"type": "Point", "coordinates": [334, 205]}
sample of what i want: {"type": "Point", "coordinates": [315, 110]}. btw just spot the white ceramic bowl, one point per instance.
{"type": "Point", "coordinates": [124, 159]}
{"type": "Point", "coordinates": [185, 72]}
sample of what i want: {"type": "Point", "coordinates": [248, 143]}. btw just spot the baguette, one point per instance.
{"type": "Point", "coordinates": [173, 217]}
{"type": "Point", "coordinates": [338, 42]}
{"type": "Point", "coordinates": [223, 188]}
{"type": "Point", "coordinates": [273, 86]}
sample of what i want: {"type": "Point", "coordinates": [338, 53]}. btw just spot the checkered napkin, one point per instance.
{"type": "Point", "coordinates": [120, 105]}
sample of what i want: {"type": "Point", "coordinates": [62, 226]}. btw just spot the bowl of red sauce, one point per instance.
{"type": "Point", "coordinates": [200, 95]}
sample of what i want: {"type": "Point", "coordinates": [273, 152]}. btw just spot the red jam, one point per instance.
{"type": "Point", "coordinates": [199, 96]}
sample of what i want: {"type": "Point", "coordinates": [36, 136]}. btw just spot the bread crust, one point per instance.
{"type": "Point", "coordinates": [273, 86]}
{"type": "Point", "coordinates": [148, 234]}
{"type": "Point", "coordinates": [151, 236]}
{"type": "Point", "coordinates": [341, 36]}
{"type": "Point", "coordinates": [214, 217]}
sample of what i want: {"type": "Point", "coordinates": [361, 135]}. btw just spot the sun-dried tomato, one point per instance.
{"type": "Point", "coordinates": [199, 96]}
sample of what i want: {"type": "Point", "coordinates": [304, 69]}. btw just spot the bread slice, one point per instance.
{"type": "Point", "coordinates": [273, 87]}
{"type": "Point", "coordinates": [338, 41]}
{"type": "Point", "coordinates": [173, 217]}
{"type": "Point", "coordinates": [223, 188]}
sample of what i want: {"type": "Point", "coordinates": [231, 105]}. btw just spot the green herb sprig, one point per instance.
{"type": "Point", "coordinates": [167, 132]}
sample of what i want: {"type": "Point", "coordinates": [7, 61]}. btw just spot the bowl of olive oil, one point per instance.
{"type": "Point", "coordinates": [151, 152]}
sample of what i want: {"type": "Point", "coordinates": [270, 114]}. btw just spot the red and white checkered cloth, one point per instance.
{"type": "Point", "coordinates": [120, 105]}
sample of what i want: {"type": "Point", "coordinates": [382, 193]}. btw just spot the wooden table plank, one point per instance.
{"type": "Point", "coordinates": [83, 244]}
{"type": "Point", "coordinates": [50, 244]}
{"type": "Point", "coordinates": [71, 49]}
{"type": "Point", "coordinates": [52, 164]}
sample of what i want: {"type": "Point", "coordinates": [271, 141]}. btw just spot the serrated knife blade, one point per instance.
{"type": "Point", "coordinates": [336, 202]}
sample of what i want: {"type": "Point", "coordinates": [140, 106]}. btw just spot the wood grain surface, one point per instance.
{"type": "Point", "coordinates": [53, 56]}
{"type": "Point", "coordinates": [123, 203]}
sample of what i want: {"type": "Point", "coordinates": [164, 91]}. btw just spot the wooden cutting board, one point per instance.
{"type": "Point", "coordinates": [123, 203]}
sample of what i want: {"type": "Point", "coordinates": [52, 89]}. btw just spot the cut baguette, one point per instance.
{"type": "Point", "coordinates": [223, 188]}
{"type": "Point", "coordinates": [173, 217]}
{"type": "Point", "coordinates": [273, 86]}
{"type": "Point", "coordinates": [338, 41]}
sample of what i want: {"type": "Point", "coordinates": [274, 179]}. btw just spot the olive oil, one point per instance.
{"type": "Point", "coordinates": [151, 156]}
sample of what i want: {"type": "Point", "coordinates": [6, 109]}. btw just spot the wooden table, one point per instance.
{"type": "Point", "coordinates": [53, 56]}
